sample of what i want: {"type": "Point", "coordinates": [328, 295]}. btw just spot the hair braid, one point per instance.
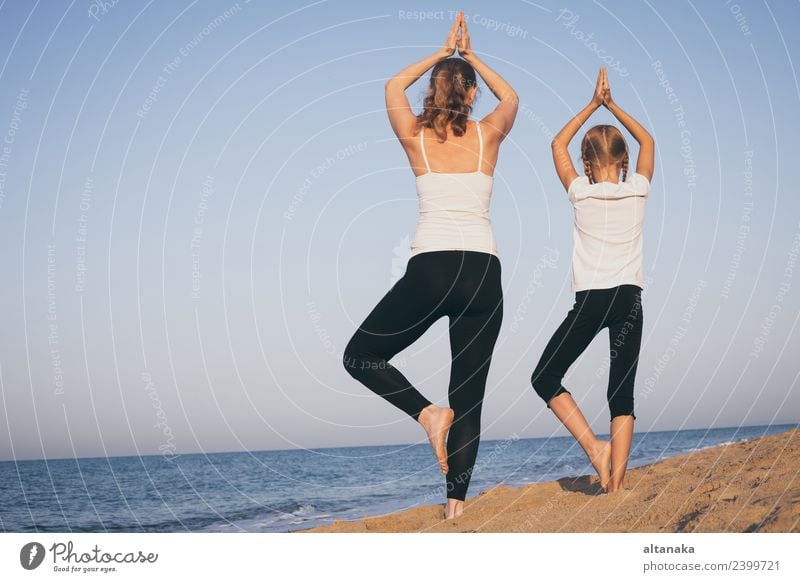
{"type": "Point", "coordinates": [604, 148]}
{"type": "Point", "coordinates": [587, 169]}
{"type": "Point", "coordinates": [587, 164]}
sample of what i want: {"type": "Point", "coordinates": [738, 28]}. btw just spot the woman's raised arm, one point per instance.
{"type": "Point", "coordinates": [401, 116]}
{"type": "Point", "coordinates": [503, 116]}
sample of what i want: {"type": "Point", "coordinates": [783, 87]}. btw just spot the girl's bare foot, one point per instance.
{"type": "Point", "coordinates": [436, 421]}
{"type": "Point", "coordinates": [600, 456]}
{"type": "Point", "coordinates": [454, 508]}
{"type": "Point", "coordinates": [621, 439]}
{"type": "Point", "coordinates": [598, 451]}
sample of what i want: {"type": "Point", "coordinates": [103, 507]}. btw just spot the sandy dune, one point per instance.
{"type": "Point", "coordinates": [752, 486]}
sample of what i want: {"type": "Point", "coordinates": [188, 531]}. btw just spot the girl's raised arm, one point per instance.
{"type": "Point", "coordinates": [401, 116]}
{"type": "Point", "coordinates": [645, 163]}
{"type": "Point", "coordinates": [563, 163]}
{"type": "Point", "coordinates": [503, 116]}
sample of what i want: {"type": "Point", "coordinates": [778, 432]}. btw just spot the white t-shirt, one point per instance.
{"type": "Point", "coordinates": [607, 234]}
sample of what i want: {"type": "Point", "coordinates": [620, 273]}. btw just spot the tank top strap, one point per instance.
{"type": "Point", "coordinates": [480, 145]}
{"type": "Point", "coordinates": [422, 146]}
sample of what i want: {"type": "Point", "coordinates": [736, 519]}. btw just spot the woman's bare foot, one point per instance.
{"type": "Point", "coordinates": [436, 421]}
{"type": "Point", "coordinates": [600, 456]}
{"type": "Point", "coordinates": [454, 508]}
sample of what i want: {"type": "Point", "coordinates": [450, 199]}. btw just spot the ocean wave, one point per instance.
{"type": "Point", "coordinates": [722, 444]}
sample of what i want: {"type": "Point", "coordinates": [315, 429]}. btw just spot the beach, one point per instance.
{"type": "Point", "coordinates": [750, 486]}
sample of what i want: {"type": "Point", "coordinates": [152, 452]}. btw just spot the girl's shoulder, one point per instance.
{"type": "Point", "coordinates": [579, 187]}
{"type": "Point", "coordinates": [635, 185]}
{"type": "Point", "coordinates": [638, 182]}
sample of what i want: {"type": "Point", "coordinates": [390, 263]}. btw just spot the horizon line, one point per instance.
{"type": "Point", "coordinates": [796, 424]}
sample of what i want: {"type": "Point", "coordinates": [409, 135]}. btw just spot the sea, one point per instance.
{"type": "Point", "coordinates": [288, 490]}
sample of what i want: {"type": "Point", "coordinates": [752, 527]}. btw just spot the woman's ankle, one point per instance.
{"type": "Point", "coordinates": [453, 508]}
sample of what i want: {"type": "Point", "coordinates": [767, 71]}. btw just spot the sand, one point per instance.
{"type": "Point", "coordinates": [751, 486]}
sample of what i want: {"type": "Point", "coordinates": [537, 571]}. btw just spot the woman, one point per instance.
{"type": "Point", "coordinates": [454, 269]}
{"type": "Point", "coordinates": [606, 277]}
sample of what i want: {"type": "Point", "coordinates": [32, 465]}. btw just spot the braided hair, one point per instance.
{"type": "Point", "coordinates": [604, 145]}
{"type": "Point", "coordinates": [587, 167]}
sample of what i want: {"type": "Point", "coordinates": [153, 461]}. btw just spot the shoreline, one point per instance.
{"type": "Point", "coordinates": [748, 486]}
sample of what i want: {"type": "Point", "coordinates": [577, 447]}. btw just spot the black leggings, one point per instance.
{"type": "Point", "coordinates": [465, 286]}
{"type": "Point", "coordinates": [620, 310]}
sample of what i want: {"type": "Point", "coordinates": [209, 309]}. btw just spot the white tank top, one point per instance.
{"type": "Point", "coordinates": [454, 208]}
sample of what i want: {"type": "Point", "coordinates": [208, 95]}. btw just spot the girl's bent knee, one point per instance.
{"type": "Point", "coordinates": [623, 412]}
{"type": "Point", "coordinates": [561, 390]}
{"type": "Point", "coordinates": [543, 387]}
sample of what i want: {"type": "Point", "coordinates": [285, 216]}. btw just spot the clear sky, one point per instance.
{"type": "Point", "coordinates": [200, 201]}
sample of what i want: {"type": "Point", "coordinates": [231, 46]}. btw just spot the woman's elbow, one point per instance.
{"type": "Point", "coordinates": [510, 97]}
{"type": "Point", "coordinates": [392, 85]}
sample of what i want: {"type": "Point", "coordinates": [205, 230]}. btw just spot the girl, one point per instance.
{"type": "Point", "coordinates": [454, 269]}
{"type": "Point", "coordinates": [606, 277]}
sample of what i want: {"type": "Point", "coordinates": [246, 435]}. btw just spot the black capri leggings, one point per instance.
{"type": "Point", "coordinates": [620, 310]}
{"type": "Point", "coordinates": [465, 286]}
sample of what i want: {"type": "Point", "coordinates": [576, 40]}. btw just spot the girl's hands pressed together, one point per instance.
{"type": "Point", "coordinates": [606, 89]}
{"type": "Point", "coordinates": [598, 98]}
{"type": "Point", "coordinates": [645, 162]}
{"type": "Point", "coordinates": [602, 90]}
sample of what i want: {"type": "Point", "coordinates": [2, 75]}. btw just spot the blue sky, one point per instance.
{"type": "Point", "coordinates": [200, 201]}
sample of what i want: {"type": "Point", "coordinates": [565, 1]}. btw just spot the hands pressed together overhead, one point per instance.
{"type": "Point", "coordinates": [458, 39]}
{"type": "Point", "coordinates": [602, 91]}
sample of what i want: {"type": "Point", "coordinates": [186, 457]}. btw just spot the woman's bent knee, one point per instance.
{"type": "Point", "coordinates": [547, 388]}
{"type": "Point", "coordinates": [352, 357]}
